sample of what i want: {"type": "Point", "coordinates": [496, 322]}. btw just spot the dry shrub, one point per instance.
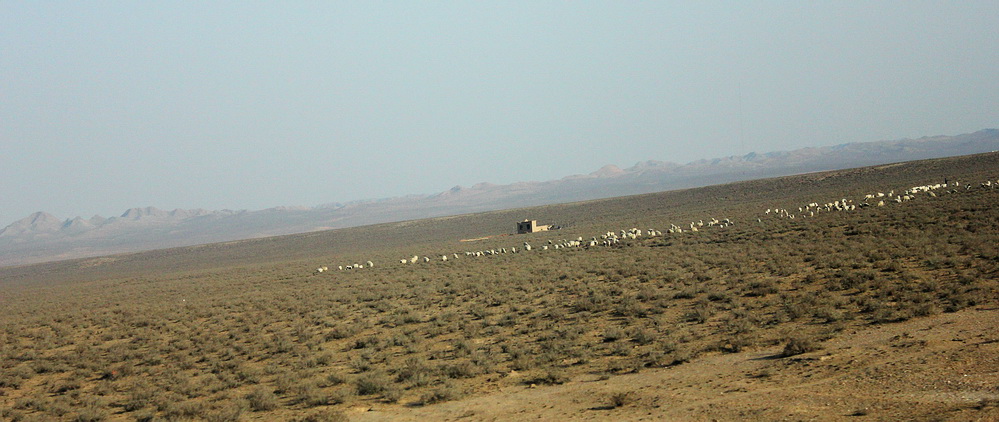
{"type": "Point", "coordinates": [463, 369]}
{"type": "Point", "coordinates": [231, 411]}
{"type": "Point", "coordinates": [372, 383]}
{"type": "Point", "coordinates": [620, 399]}
{"type": "Point", "coordinates": [553, 376]}
{"type": "Point", "coordinates": [90, 414]}
{"type": "Point", "coordinates": [140, 396]}
{"type": "Point", "coordinates": [613, 334]}
{"type": "Point", "coordinates": [392, 394]}
{"type": "Point", "coordinates": [341, 395]}
{"type": "Point", "coordinates": [700, 313]}
{"type": "Point", "coordinates": [188, 409]}
{"type": "Point", "coordinates": [798, 345]}
{"type": "Point", "coordinates": [262, 399]}
{"type": "Point", "coordinates": [311, 395]}
{"type": "Point", "coordinates": [446, 392]}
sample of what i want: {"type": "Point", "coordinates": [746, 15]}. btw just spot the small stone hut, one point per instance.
{"type": "Point", "coordinates": [530, 226]}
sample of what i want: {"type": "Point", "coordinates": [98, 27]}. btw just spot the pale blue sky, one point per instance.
{"type": "Point", "coordinates": [248, 105]}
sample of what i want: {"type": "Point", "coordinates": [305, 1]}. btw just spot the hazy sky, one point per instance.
{"type": "Point", "coordinates": [245, 105]}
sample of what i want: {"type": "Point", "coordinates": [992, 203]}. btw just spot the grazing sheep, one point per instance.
{"type": "Point", "coordinates": [611, 237]}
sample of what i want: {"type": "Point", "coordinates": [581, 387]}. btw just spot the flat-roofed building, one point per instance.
{"type": "Point", "coordinates": [530, 226]}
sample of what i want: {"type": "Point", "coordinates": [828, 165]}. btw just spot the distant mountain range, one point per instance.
{"type": "Point", "coordinates": [42, 237]}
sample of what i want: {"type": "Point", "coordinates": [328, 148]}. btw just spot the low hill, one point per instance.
{"type": "Point", "coordinates": [29, 241]}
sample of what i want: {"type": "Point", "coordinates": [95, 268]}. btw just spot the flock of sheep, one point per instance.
{"type": "Point", "coordinates": [369, 264]}
{"type": "Point", "coordinates": [811, 209]}
{"type": "Point", "coordinates": [606, 239]}
{"type": "Point", "coordinates": [610, 238]}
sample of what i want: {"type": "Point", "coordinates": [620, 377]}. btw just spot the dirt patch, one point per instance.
{"type": "Point", "coordinates": [486, 237]}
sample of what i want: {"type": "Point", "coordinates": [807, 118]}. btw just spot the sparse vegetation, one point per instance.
{"type": "Point", "coordinates": [212, 333]}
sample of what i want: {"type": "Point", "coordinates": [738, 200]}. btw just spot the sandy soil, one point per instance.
{"type": "Point", "coordinates": [944, 367]}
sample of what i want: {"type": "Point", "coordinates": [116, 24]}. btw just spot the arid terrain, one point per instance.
{"type": "Point", "coordinates": [862, 294]}
{"type": "Point", "coordinates": [42, 237]}
{"type": "Point", "coordinates": [941, 367]}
